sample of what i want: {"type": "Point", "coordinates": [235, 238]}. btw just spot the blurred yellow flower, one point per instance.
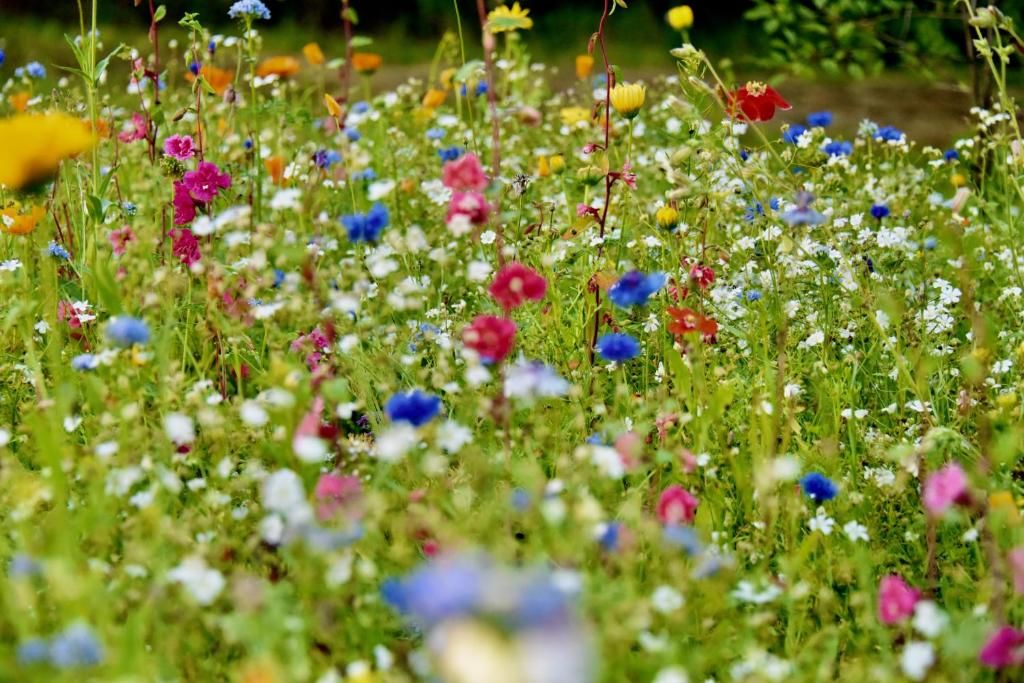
{"type": "Point", "coordinates": [446, 78]}
{"type": "Point", "coordinates": [584, 66]}
{"type": "Point", "coordinates": [628, 98]}
{"type": "Point", "coordinates": [680, 17]}
{"type": "Point", "coordinates": [557, 163]}
{"type": "Point", "coordinates": [278, 66]}
{"type": "Point", "coordinates": [505, 19]}
{"type": "Point", "coordinates": [313, 54]}
{"type": "Point", "coordinates": [573, 115]}
{"type": "Point", "coordinates": [333, 108]}
{"type": "Point", "coordinates": [366, 62]}
{"type": "Point", "coordinates": [32, 146]}
{"type": "Point", "coordinates": [434, 98]}
{"type": "Point", "coordinates": [667, 217]}
{"type": "Point", "coordinates": [543, 168]}
{"type": "Point", "coordinates": [1003, 501]}
{"type": "Point", "coordinates": [18, 220]}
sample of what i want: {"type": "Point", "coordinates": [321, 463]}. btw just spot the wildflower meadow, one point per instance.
{"type": "Point", "coordinates": [484, 379]}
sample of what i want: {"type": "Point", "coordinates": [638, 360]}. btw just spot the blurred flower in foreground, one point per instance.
{"type": "Point", "coordinates": [125, 331]}
{"type": "Point", "coordinates": [680, 18]}
{"type": "Point", "coordinates": [34, 145]}
{"type": "Point", "coordinates": [505, 18]}
{"type": "Point", "coordinates": [18, 220]}
{"type": "Point", "coordinates": [483, 622]}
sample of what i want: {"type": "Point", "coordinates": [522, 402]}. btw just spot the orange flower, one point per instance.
{"type": "Point", "coordinates": [275, 167]}
{"type": "Point", "coordinates": [434, 98]}
{"type": "Point", "coordinates": [102, 128]}
{"type": "Point", "coordinates": [19, 101]}
{"type": "Point", "coordinates": [366, 62]}
{"type": "Point", "coordinates": [219, 79]}
{"type": "Point", "coordinates": [333, 108]}
{"type": "Point", "coordinates": [584, 66]}
{"type": "Point", "coordinates": [14, 223]}
{"type": "Point", "coordinates": [278, 66]}
{"type": "Point", "coordinates": [687, 320]}
{"type": "Point", "coordinates": [314, 55]}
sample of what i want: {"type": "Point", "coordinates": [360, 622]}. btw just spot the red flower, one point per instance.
{"type": "Point", "coordinates": [186, 246]}
{"type": "Point", "coordinates": [676, 505]}
{"type": "Point", "coordinates": [703, 275]}
{"type": "Point", "coordinates": [515, 284]}
{"type": "Point", "coordinates": [687, 320]}
{"type": "Point", "coordinates": [757, 101]}
{"type": "Point", "coordinates": [490, 336]}
{"type": "Point", "coordinates": [470, 204]}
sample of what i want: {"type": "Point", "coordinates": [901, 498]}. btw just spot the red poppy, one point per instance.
{"type": "Point", "coordinates": [515, 284]}
{"type": "Point", "coordinates": [757, 101]}
{"type": "Point", "coordinates": [490, 336]}
{"type": "Point", "coordinates": [687, 320]}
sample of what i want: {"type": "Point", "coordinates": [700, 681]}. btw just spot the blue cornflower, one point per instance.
{"type": "Point", "coordinates": [3, 56]}
{"type": "Point", "coordinates": [951, 155]}
{"type": "Point", "coordinates": [754, 211]}
{"type": "Point", "coordinates": [75, 646]}
{"type": "Point", "coordinates": [450, 153]}
{"type": "Point", "coordinates": [838, 148]}
{"type": "Point", "coordinates": [634, 288]}
{"type": "Point", "coordinates": [249, 9]}
{"type": "Point", "coordinates": [803, 214]}
{"type": "Point", "coordinates": [682, 536]}
{"type": "Point", "coordinates": [618, 347]}
{"type": "Point", "coordinates": [33, 651]}
{"type": "Point", "coordinates": [367, 174]}
{"type": "Point", "coordinates": [35, 70]}
{"type": "Point", "coordinates": [889, 134]}
{"type": "Point", "coordinates": [609, 537]}
{"type": "Point", "coordinates": [125, 331]}
{"type": "Point", "coordinates": [195, 68]}
{"type": "Point", "coordinates": [441, 589]}
{"type": "Point", "coordinates": [819, 487]}
{"type": "Point", "coordinates": [819, 119]}
{"type": "Point", "coordinates": [773, 203]}
{"type": "Point", "coordinates": [366, 227]}
{"type": "Point", "coordinates": [520, 499]}
{"type": "Point", "coordinates": [754, 295]}
{"type": "Point", "coordinates": [58, 251]}
{"type": "Point", "coordinates": [415, 407]}
{"type": "Point", "coordinates": [879, 211]}
{"type": "Point", "coordinates": [129, 208]}
{"type": "Point", "coordinates": [248, 144]}
{"type": "Point", "coordinates": [211, 47]}
{"type": "Point", "coordinates": [278, 278]}
{"type": "Point", "coordinates": [436, 133]}
{"type": "Point", "coordinates": [22, 565]}
{"type": "Point", "coordinates": [361, 107]}
{"type": "Point", "coordinates": [85, 361]}
{"type": "Point", "coordinates": [595, 439]}
{"type": "Point", "coordinates": [744, 154]}
{"type": "Point", "coordinates": [793, 133]}
{"type": "Point", "coordinates": [353, 135]}
{"type": "Point", "coordinates": [325, 158]}
{"type": "Point", "coordinates": [930, 243]}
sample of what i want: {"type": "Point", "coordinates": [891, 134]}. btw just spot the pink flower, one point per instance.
{"type": "Point", "coordinates": [515, 284]}
{"type": "Point", "coordinates": [336, 493]}
{"type": "Point", "coordinates": [473, 205]}
{"type": "Point", "coordinates": [205, 182]}
{"type": "Point", "coordinates": [490, 336]}
{"type": "Point", "coordinates": [184, 205]}
{"type": "Point", "coordinates": [944, 488]}
{"type": "Point", "coordinates": [896, 599]}
{"type": "Point", "coordinates": [465, 174]}
{"type": "Point", "coordinates": [702, 275]}
{"type": "Point", "coordinates": [1004, 648]}
{"type": "Point", "coordinates": [676, 505]}
{"type": "Point", "coordinates": [180, 147]}
{"type": "Point", "coordinates": [138, 130]}
{"type": "Point", "coordinates": [185, 246]}
{"type": "Point", "coordinates": [120, 238]}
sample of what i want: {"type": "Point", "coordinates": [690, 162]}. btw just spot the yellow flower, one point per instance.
{"type": "Point", "coordinates": [628, 98]}
{"type": "Point", "coordinates": [333, 108]}
{"type": "Point", "coordinates": [366, 62]}
{"type": "Point", "coordinates": [1003, 501]}
{"type": "Point", "coordinates": [446, 78]}
{"type": "Point", "coordinates": [680, 18]}
{"type": "Point", "coordinates": [667, 217]}
{"type": "Point", "coordinates": [543, 168]}
{"type": "Point", "coordinates": [34, 145]}
{"type": "Point", "coordinates": [557, 163]}
{"type": "Point", "coordinates": [584, 66]}
{"type": "Point", "coordinates": [958, 180]}
{"type": "Point", "coordinates": [14, 221]}
{"type": "Point", "coordinates": [434, 98]}
{"type": "Point", "coordinates": [505, 19]}
{"type": "Point", "coordinates": [278, 66]}
{"type": "Point", "coordinates": [573, 115]}
{"type": "Point", "coordinates": [313, 54]}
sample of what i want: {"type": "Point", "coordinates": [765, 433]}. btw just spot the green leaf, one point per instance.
{"type": "Point", "coordinates": [361, 41]}
{"type": "Point", "coordinates": [160, 13]}
{"type": "Point", "coordinates": [467, 70]}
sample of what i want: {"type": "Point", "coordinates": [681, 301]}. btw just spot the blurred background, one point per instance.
{"type": "Point", "coordinates": [899, 60]}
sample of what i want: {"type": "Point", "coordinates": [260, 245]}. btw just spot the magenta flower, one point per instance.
{"type": "Point", "coordinates": [186, 246]}
{"type": "Point", "coordinates": [944, 488]}
{"type": "Point", "coordinates": [676, 505]}
{"type": "Point", "coordinates": [896, 599]}
{"type": "Point", "coordinates": [120, 238]}
{"type": "Point", "coordinates": [465, 174]}
{"type": "Point", "coordinates": [1004, 648]}
{"type": "Point", "coordinates": [470, 204]}
{"type": "Point", "coordinates": [180, 147]}
{"type": "Point", "coordinates": [184, 205]}
{"type": "Point", "coordinates": [206, 182]}
{"type": "Point", "coordinates": [138, 130]}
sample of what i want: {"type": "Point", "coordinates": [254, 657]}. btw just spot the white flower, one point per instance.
{"type": "Point", "coordinates": [310, 449]}
{"type": "Point", "coordinates": [488, 237]}
{"type": "Point", "coordinates": [283, 492]}
{"type": "Point", "coordinates": [393, 443]}
{"type": "Point", "coordinates": [179, 428]}
{"type": "Point", "coordinates": [916, 659]}
{"type": "Point", "coordinates": [202, 582]}
{"type": "Point", "coordinates": [929, 620]}
{"type": "Point", "coordinates": [452, 436]}
{"type": "Point", "coordinates": [821, 522]}
{"type": "Point", "coordinates": [478, 271]}
{"type": "Point", "coordinates": [746, 592]}
{"type": "Point", "coordinates": [855, 531]}
{"type": "Point", "coordinates": [286, 199]}
{"type": "Point", "coordinates": [673, 674]}
{"type": "Point", "coordinates": [253, 414]}
{"type": "Point", "coordinates": [608, 461]}
{"type": "Point", "coordinates": [666, 599]}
